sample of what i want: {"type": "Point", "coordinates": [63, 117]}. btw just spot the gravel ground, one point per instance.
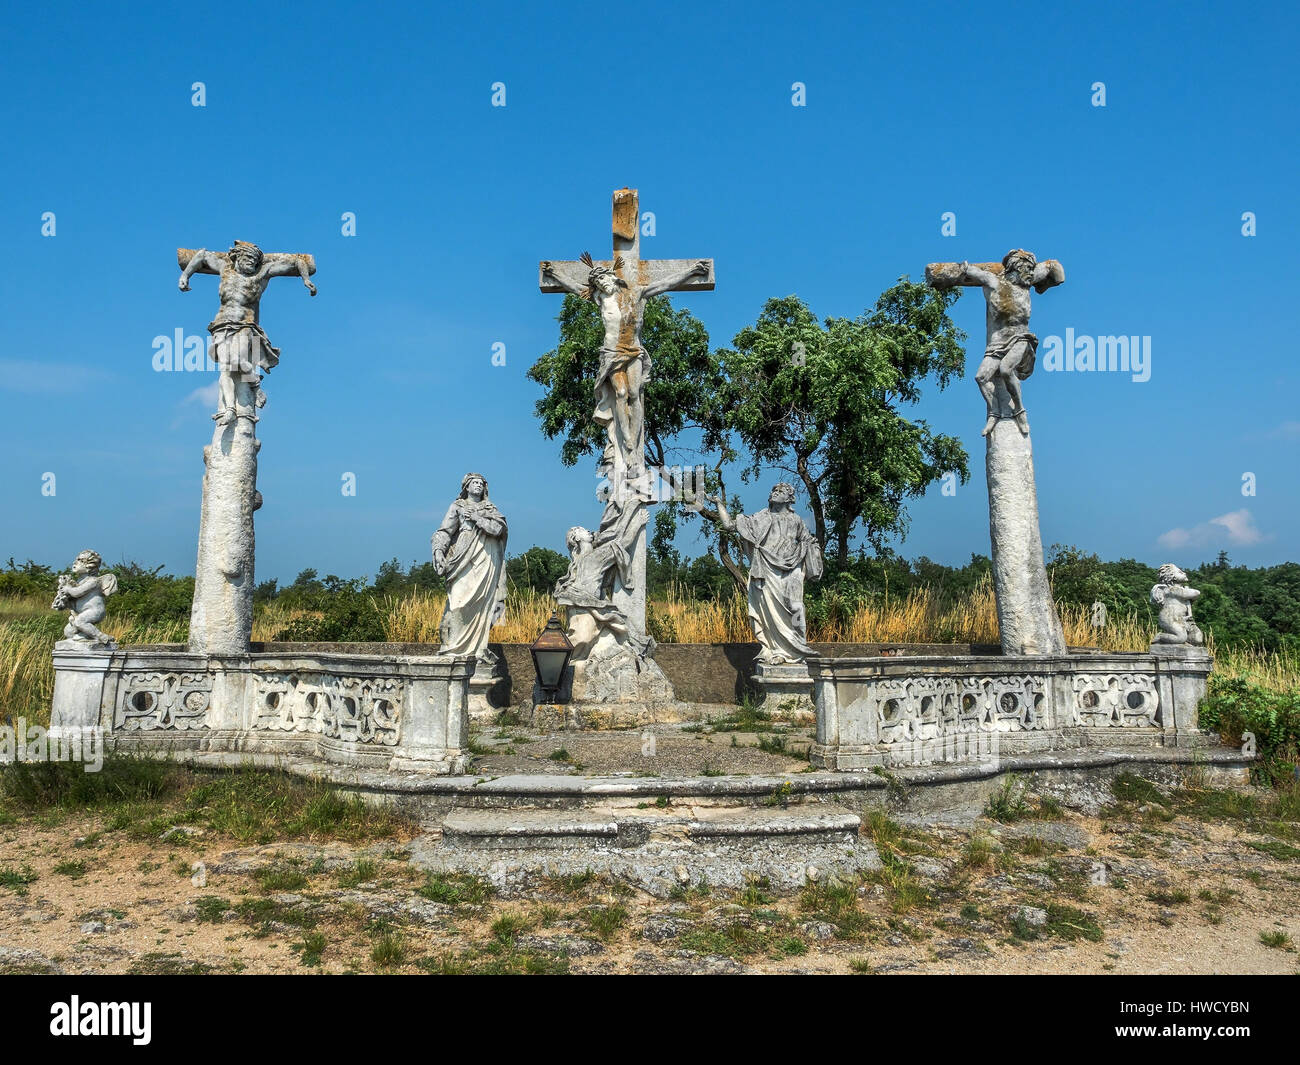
{"type": "Point", "coordinates": [1150, 887]}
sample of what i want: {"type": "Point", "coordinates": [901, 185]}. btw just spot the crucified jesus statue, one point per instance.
{"type": "Point", "coordinates": [624, 362]}
{"type": "Point", "coordinates": [240, 347]}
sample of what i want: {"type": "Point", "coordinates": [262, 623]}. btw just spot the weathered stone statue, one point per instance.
{"type": "Point", "coordinates": [585, 589]}
{"type": "Point", "coordinates": [1011, 347]}
{"type": "Point", "coordinates": [240, 347]}
{"type": "Point", "coordinates": [624, 363]}
{"type": "Point", "coordinates": [221, 620]}
{"type": "Point", "coordinates": [1027, 618]}
{"type": "Point", "coordinates": [781, 553]}
{"type": "Point", "coordinates": [1175, 598]}
{"type": "Point", "coordinates": [620, 288]}
{"type": "Point", "coordinates": [469, 550]}
{"type": "Point", "coordinates": [83, 593]}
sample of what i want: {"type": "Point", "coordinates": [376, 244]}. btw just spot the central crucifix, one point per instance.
{"type": "Point", "coordinates": [620, 287]}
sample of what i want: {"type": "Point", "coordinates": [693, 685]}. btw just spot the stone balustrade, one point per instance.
{"type": "Point", "coordinates": [971, 708]}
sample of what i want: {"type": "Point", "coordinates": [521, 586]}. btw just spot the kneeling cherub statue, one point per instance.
{"type": "Point", "coordinates": [82, 593]}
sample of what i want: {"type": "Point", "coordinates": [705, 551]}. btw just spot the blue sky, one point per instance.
{"type": "Point", "coordinates": [912, 110]}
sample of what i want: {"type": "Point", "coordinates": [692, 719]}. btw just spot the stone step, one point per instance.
{"type": "Point", "coordinates": [628, 827]}
{"type": "Point", "coordinates": [662, 850]}
{"type": "Point", "coordinates": [573, 792]}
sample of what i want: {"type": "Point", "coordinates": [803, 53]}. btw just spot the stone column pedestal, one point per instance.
{"type": "Point", "coordinates": [1027, 618]}
{"type": "Point", "coordinates": [1183, 682]}
{"type": "Point", "coordinates": [787, 691]}
{"type": "Point", "coordinates": [221, 618]}
{"type": "Point", "coordinates": [79, 673]}
{"type": "Point", "coordinates": [485, 678]}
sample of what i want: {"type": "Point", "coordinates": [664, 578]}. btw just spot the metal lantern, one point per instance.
{"type": "Point", "coordinates": [551, 651]}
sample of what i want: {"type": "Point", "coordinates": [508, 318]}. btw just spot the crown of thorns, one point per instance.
{"type": "Point", "coordinates": [595, 272]}
{"type": "Point", "coordinates": [245, 245]}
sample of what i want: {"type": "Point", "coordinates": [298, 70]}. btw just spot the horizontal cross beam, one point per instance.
{"type": "Point", "coordinates": [648, 272]}
{"type": "Point", "coordinates": [184, 255]}
{"type": "Point", "coordinates": [947, 275]}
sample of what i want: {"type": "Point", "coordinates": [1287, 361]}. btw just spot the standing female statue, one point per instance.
{"type": "Point", "coordinates": [469, 551]}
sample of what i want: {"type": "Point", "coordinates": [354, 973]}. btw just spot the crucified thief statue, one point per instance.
{"type": "Point", "coordinates": [240, 347]}
{"type": "Point", "coordinates": [1011, 347]}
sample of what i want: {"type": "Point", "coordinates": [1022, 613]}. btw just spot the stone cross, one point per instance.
{"type": "Point", "coordinates": [221, 618]}
{"type": "Point", "coordinates": [1028, 623]}
{"type": "Point", "coordinates": [619, 287]}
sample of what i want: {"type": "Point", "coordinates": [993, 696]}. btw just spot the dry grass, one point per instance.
{"type": "Point", "coordinates": [28, 630]}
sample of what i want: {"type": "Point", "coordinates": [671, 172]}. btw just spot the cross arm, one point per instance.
{"type": "Point", "coordinates": [200, 260]}
{"type": "Point", "coordinates": [676, 275]}
{"type": "Point", "coordinates": [564, 276]}
{"type": "Point", "coordinates": [281, 264]}
{"type": "Point", "coordinates": [1048, 274]}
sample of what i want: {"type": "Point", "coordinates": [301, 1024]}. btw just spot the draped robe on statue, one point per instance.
{"type": "Point", "coordinates": [476, 575]}
{"type": "Point", "coordinates": [781, 552]}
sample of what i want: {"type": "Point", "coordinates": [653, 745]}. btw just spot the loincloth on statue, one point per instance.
{"type": "Point", "coordinates": [1026, 365]}
{"type": "Point", "coordinates": [262, 355]}
{"type": "Point", "coordinates": [616, 360]}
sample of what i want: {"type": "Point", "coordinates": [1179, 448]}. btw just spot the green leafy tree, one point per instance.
{"type": "Point", "coordinates": [825, 402]}
{"type": "Point", "coordinates": [537, 569]}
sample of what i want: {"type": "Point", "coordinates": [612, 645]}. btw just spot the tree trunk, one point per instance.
{"type": "Point", "coordinates": [814, 496]}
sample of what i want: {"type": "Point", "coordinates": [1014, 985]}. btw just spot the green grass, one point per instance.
{"type": "Point", "coordinates": [388, 951]}
{"type": "Point", "coordinates": [362, 871]}
{"type": "Point", "coordinates": [978, 852]}
{"type": "Point", "coordinates": [1275, 848]}
{"type": "Point", "coordinates": [1064, 922]}
{"type": "Point", "coordinates": [605, 921]}
{"type": "Point", "coordinates": [147, 798]}
{"type": "Point", "coordinates": [72, 870]}
{"type": "Point", "coordinates": [1276, 940]}
{"type": "Point", "coordinates": [211, 908]}
{"type": "Point", "coordinates": [17, 879]}
{"type": "Point", "coordinates": [311, 948]}
{"type": "Point", "coordinates": [280, 877]}
{"type": "Point", "coordinates": [835, 903]}
{"type": "Point", "coordinates": [509, 926]}
{"type": "Point", "coordinates": [1008, 802]}
{"type": "Point", "coordinates": [456, 889]}
{"type": "Point", "coordinates": [1164, 897]}
{"type": "Point", "coordinates": [497, 962]}
{"type": "Point", "coordinates": [157, 964]}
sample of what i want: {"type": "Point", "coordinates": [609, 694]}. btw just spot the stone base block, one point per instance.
{"type": "Point", "coordinates": [787, 692]}
{"type": "Point", "coordinates": [80, 670]}
{"type": "Point", "coordinates": [482, 708]}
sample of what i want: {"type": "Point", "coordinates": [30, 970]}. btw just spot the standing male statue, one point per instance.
{"type": "Point", "coordinates": [781, 552]}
